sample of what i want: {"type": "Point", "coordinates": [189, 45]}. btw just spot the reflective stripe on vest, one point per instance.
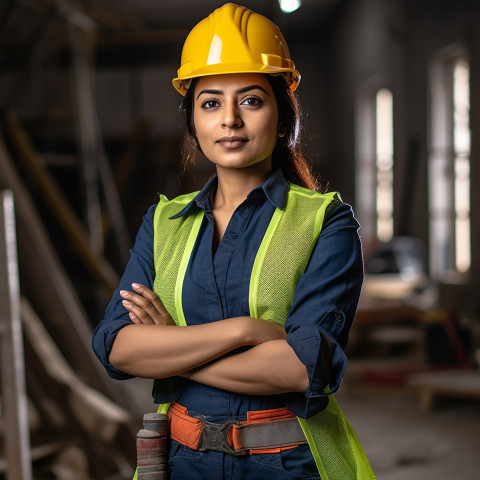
{"type": "Point", "coordinates": [281, 259]}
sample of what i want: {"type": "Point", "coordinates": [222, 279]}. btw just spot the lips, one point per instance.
{"type": "Point", "coordinates": [232, 142]}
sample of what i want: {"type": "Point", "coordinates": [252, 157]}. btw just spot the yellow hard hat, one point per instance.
{"type": "Point", "coordinates": [234, 39]}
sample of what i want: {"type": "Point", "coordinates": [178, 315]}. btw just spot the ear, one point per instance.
{"type": "Point", "coordinates": [282, 132]}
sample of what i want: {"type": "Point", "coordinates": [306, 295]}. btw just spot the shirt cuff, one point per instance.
{"type": "Point", "coordinates": [325, 361]}
{"type": "Point", "coordinates": [102, 343]}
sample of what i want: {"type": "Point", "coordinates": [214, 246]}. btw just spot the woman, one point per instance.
{"type": "Point", "coordinates": [264, 272]}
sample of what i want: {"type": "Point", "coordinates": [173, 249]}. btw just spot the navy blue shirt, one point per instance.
{"type": "Point", "coordinates": [216, 287]}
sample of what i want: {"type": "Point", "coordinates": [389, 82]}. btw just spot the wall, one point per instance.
{"type": "Point", "coordinates": [379, 43]}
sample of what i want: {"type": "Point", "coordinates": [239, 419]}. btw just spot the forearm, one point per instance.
{"type": "Point", "coordinates": [266, 369]}
{"type": "Point", "coordinates": [158, 351]}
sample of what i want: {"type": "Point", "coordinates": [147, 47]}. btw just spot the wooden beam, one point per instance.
{"type": "Point", "coordinates": [58, 204]}
{"type": "Point", "coordinates": [95, 412]}
{"type": "Point", "coordinates": [52, 292]}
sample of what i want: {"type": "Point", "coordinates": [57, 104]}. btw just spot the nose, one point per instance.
{"type": "Point", "coordinates": [231, 117]}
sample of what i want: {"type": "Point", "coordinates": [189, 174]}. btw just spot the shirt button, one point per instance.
{"type": "Point", "coordinates": [233, 234]}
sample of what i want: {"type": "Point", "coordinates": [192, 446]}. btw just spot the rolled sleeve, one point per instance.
{"type": "Point", "coordinates": [324, 306]}
{"type": "Point", "coordinates": [139, 269]}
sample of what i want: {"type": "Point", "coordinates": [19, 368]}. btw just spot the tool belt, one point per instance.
{"type": "Point", "coordinates": [264, 431]}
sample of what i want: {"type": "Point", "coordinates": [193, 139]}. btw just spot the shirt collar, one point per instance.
{"type": "Point", "coordinates": [275, 189]}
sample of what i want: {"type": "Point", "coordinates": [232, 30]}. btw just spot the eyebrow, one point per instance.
{"type": "Point", "coordinates": [240, 90]}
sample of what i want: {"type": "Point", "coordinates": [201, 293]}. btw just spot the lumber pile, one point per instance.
{"type": "Point", "coordinates": [74, 410]}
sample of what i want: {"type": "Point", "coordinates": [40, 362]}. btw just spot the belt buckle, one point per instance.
{"type": "Point", "coordinates": [214, 436]}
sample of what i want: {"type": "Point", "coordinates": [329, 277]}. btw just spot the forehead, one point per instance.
{"type": "Point", "coordinates": [232, 81]}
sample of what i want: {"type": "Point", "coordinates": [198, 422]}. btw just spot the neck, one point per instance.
{"type": "Point", "coordinates": [235, 184]}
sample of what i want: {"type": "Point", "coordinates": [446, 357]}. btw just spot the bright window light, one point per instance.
{"type": "Point", "coordinates": [289, 6]}
{"type": "Point", "coordinates": [384, 160]}
{"type": "Point", "coordinates": [449, 166]}
{"type": "Point", "coordinates": [461, 144]}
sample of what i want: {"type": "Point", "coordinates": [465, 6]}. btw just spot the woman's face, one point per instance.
{"type": "Point", "coordinates": [236, 119]}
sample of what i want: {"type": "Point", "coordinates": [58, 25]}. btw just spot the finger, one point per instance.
{"type": "Point", "coordinates": [133, 318]}
{"type": "Point", "coordinates": [140, 301]}
{"type": "Point", "coordinates": [154, 300]}
{"type": "Point", "coordinates": [136, 313]}
{"type": "Point", "coordinates": [128, 306]}
{"type": "Point", "coordinates": [147, 311]}
{"type": "Point", "coordinates": [151, 296]}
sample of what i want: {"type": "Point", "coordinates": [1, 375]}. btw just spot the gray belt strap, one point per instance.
{"type": "Point", "coordinates": [270, 434]}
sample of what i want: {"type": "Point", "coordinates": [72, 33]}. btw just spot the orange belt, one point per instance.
{"type": "Point", "coordinates": [264, 431]}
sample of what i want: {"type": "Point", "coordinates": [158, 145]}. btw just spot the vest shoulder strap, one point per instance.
{"type": "Point", "coordinates": [285, 251]}
{"type": "Point", "coordinates": [173, 242]}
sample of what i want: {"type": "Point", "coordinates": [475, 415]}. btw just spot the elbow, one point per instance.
{"type": "Point", "coordinates": [294, 378]}
{"type": "Point", "coordinates": [122, 355]}
{"type": "Point", "coordinates": [118, 359]}
{"type": "Point", "coordinates": [301, 380]}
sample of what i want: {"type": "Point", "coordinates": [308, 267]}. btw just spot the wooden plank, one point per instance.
{"type": "Point", "coordinates": [51, 291]}
{"type": "Point", "coordinates": [451, 383]}
{"type": "Point", "coordinates": [38, 452]}
{"type": "Point", "coordinates": [96, 413]}
{"type": "Point", "coordinates": [14, 398]}
{"type": "Point", "coordinates": [58, 204]}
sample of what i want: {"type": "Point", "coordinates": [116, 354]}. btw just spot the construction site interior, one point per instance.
{"type": "Point", "coordinates": [90, 132]}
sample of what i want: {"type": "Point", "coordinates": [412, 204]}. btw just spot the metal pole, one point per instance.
{"type": "Point", "coordinates": [14, 397]}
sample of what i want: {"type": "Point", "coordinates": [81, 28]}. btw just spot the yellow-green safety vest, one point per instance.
{"type": "Point", "coordinates": [280, 261]}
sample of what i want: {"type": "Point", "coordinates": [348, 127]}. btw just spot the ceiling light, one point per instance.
{"type": "Point", "coordinates": [289, 6]}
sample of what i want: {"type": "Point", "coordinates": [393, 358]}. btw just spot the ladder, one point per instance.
{"type": "Point", "coordinates": [13, 405]}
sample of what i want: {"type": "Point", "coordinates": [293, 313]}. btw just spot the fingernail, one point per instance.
{"type": "Point", "coordinates": [124, 293]}
{"type": "Point", "coordinates": [124, 302]}
{"type": "Point", "coordinates": [135, 285]}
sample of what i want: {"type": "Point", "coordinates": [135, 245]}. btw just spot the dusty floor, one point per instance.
{"type": "Point", "coordinates": [402, 442]}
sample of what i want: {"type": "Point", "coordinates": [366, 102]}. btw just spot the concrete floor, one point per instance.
{"type": "Point", "coordinates": [402, 442]}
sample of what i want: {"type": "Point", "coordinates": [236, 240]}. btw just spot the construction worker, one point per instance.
{"type": "Point", "coordinates": [238, 299]}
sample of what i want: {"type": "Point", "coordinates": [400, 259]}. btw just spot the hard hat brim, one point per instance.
{"type": "Point", "coordinates": [291, 75]}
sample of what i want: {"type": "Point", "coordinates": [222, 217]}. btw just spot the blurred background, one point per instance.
{"type": "Point", "coordinates": [90, 131]}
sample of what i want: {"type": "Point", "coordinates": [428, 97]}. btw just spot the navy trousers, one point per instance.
{"type": "Point", "coordinates": [296, 463]}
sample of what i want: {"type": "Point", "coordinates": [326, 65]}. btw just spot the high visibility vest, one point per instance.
{"type": "Point", "coordinates": [281, 260]}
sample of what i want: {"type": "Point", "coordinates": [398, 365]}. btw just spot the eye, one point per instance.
{"type": "Point", "coordinates": [252, 101]}
{"type": "Point", "coordinates": [207, 104]}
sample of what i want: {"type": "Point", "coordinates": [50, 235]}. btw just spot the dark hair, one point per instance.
{"type": "Point", "coordinates": [287, 155]}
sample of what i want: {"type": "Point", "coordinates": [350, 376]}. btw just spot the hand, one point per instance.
{"type": "Point", "coordinates": [144, 306]}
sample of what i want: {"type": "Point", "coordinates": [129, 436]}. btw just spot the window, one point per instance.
{"type": "Point", "coordinates": [375, 160]}
{"type": "Point", "coordinates": [384, 164]}
{"type": "Point", "coordinates": [449, 166]}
